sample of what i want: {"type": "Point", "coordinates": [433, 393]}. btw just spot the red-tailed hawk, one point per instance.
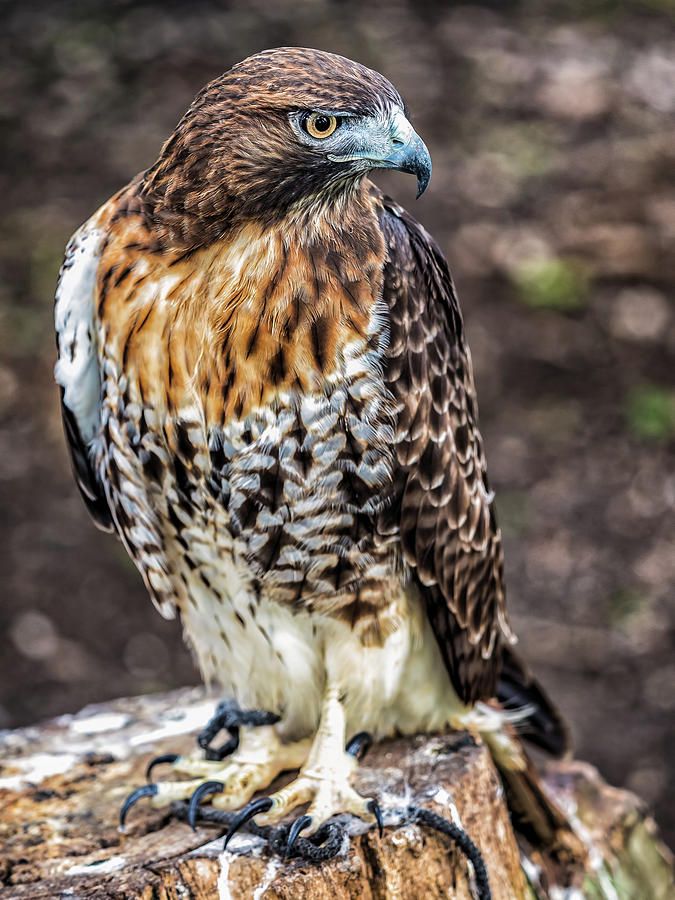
{"type": "Point", "coordinates": [269, 398]}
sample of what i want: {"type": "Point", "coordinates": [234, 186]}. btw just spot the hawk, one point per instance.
{"type": "Point", "coordinates": [268, 397]}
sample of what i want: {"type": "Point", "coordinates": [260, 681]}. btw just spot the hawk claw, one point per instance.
{"type": "Point", "coordinates": [299, 825]}
{"type": "Point", "coordinates": [229, 717]}
{"type": "Point", "coordinates": [359, 745]}
{"type": "Point", "coordinates": [374, 808]}
{"type": "Point", "coordinates": [147, 790]}
{"type": "Point", "coordinates": [208, 787]}
{"type": "Point", "coordinates": [262, 804]}
{"type": "Point", "coordinates": [159, 760]}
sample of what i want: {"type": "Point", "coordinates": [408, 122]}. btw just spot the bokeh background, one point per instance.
{"type": "Point", "coordinates": [551, 130]}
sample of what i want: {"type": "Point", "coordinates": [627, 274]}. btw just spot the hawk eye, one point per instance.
{"type": "Point", "coordinates": [319, 125]}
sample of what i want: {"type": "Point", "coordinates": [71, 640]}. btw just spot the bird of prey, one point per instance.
{"type": "Point", "coordinates": [268, 397]}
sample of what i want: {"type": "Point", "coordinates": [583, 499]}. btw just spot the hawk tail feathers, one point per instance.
{"type": "Point", "coordinates": [535, 814]}
{"type": "Point", "coordinates": [91, 491]}
{"type": "Point", "coordinates": [517, 688]}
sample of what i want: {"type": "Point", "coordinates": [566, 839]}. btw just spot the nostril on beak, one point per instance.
{"type": "Point", "coordinates": [397, 142]}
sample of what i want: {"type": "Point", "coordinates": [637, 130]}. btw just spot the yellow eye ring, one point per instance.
{"type": "Point", "coordinates": [320, 125]}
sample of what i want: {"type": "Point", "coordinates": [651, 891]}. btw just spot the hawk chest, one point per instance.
{"type": "Point", "coordinates": [247, 433]}
{"type": "Point", "coordinates": [280, 502]}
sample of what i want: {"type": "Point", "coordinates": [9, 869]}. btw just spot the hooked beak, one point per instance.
{"type": "Point", "coordinates": [408, 152]}
{"type": "Point", "coordinates": [414, 158]}
{"type": "Point", "coordinates": [401, 148]}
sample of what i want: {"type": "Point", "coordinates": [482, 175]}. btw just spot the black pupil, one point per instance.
{"type": "Point", "coordinates": [322, 123]}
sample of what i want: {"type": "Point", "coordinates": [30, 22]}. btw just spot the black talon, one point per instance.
{"type": "Point", "coordinates": [159, 760]}
{"type": "Point", "coordinates": [229, 716]}
{"type": "Point", "coordinates": [254, 718]}
{"type": "Point", "coordinates": [374, 808]}
{"type": "Point", "coordinates": [360, 744]}
{"type": "Point", "coordinates": [262, 804]}
{"type": "Point", "coordinates": [148, 790]}
{"type": "Point", "coordinates": [297, 826]}
{"type": "Point", "coordinates": [208, 787]}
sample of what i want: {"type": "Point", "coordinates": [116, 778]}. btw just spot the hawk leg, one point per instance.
{"type": "Point", "coordinates": [248, 762]}
{"type": "Point", "coordinates": [323, 780]}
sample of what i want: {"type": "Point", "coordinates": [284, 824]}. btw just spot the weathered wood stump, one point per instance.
{"type": "Point", "coordinates": [62, 784]}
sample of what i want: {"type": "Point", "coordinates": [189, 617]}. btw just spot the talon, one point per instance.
{"type": "Point", "coordinates": [217, 754]}
{"type": "Point", "coordinates": [229, 717]}
{"type": "Point", "coordinates": [209, 787]}
{"type": "Point", "coordinates": [255, 718]}
{"type": "Point", "coordinates": [148, 790]}
{"type": "Point", "coordinates": [159, 760]}
{"type": "Point", "coordinates": [262, 804]}
{"type": "Point", "coordinates": [374, 808]}
{"type": "Point", "coordinates": [225, 716]}
{"type": "Point", "coordinates": [359, 745]}
{"type": "Point", "coordinates": [297, 826]}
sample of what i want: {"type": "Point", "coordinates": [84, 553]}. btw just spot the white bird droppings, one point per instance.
{"type": "Point", "coordinates": [99, 723]}
{"type": "Point", "coordinates": [193, 719]}
{"type": "Point", "coordinates": [101, 867]}
{"type": "Point", "coordinates": [224, 892]}
{"type": "Point", "coordinates": [38, 767]}
{"type": "Point", "coordinates": [269, 875]}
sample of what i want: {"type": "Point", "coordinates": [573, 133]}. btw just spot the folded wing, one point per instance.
{"type": "Point", "coordinates": [448, 533]}
{"type": "Point", "coordinates": [77, 368]}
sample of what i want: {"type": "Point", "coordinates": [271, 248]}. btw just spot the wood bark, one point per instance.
{"type": "Point", "coordinates": [62, 784]}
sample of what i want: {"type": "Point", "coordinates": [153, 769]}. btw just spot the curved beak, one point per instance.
{"type": "Point", "coordinates": [399, 147]}
{"type": "Point", "coordinates": [412, 157]}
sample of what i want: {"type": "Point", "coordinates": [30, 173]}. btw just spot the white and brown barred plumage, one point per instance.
{"type": "Point", "coordinates": [268, 396]}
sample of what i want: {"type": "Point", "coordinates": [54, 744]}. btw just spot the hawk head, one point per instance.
{"type": "Point", "coordinates": [282, 130]}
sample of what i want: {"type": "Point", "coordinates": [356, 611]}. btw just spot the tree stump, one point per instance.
{"type": "Point", "coordinates": [62, 784]}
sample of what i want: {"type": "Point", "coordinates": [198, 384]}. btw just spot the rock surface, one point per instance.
{"type": "Point", "coordinates": [62, 784]}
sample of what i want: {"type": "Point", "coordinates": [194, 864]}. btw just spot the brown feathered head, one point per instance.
{"type": "Point", "coordinates": [277, 132]}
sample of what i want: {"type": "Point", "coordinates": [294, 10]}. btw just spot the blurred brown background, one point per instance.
{"type": "Point", "coordinates": [551, 130]}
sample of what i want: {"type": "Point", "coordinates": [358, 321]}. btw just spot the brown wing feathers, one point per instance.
{"type": "Point", "coordinates": [447, 529]}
